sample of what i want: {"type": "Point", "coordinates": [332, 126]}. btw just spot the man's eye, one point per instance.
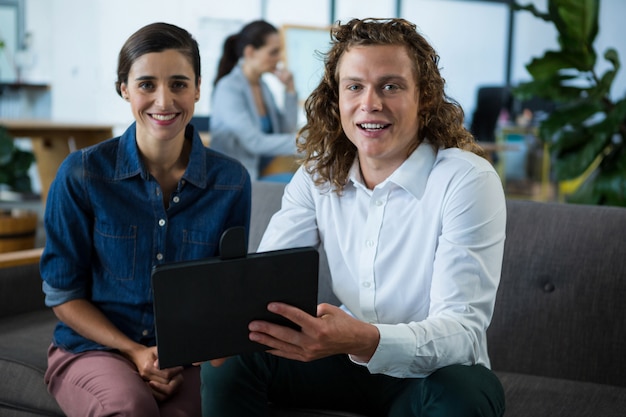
{"type": "Point", "coordinates": [390, 87]}
{"type": "Point", "coordinates": [353, 87]}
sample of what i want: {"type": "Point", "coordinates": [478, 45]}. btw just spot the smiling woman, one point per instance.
{"type": "Point", "coordinates": [155, 194]}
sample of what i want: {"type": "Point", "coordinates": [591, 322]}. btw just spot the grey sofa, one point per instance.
{"type": "Point", "coordinates": [557, 339]}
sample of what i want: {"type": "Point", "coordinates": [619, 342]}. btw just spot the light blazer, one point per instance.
{"type": "Point", "coordinates": [236, 126]}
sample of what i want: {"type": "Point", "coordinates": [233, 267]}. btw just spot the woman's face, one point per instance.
{"type": "Point", "coordinates": [265, 58]}
{"type": "Point", "coordinates": [162, 94]}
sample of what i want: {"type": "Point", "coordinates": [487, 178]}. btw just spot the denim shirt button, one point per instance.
{"type": "Point", "coordinates": [161, 222]}
{"type": "Point", "coordinates": [145, 333]}
{"type": "Point", "coordinates": [176, 199]}
{"type": "Point", "coordinates": [159, 256]}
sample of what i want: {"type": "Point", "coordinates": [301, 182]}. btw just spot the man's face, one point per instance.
{"type": "Point", "coordinates": [378, 104]}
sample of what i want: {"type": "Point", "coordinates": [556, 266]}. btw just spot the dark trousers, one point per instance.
{"type": "Point", "coordinates": [246, 384]}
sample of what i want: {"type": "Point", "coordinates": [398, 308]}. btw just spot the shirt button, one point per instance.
{"type": "Point", "coordinates": [145, 333]}
{"type": "Point", "coordinates": [379, 203]}
{"type": "Point", "coordinates": [161, 222]}
{"type": "Point", "coordinates": [367, 284]}
{"type": "Point", "coordinates": [369, 243]}
{"type": "Point", "coordinates": [176, 199]}
{"type": "Point", "coordinates": [159, 256]}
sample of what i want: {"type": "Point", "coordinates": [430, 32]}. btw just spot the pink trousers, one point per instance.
{"type": "Point", "coordinates": [99, 383]}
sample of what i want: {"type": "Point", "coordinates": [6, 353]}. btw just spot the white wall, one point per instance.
{"type": "Point", "coordinates": [76, 42]}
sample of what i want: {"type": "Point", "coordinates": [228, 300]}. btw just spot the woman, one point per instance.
{"type": "Point", "coordinates": [246, 122]}
{"type": "Point", "coordinates": [114, 211]}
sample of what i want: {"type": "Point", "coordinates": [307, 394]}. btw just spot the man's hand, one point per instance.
{"type": "Point", "coordinates": [332, 332]}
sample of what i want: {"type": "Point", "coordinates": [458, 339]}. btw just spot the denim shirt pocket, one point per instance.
{"type": "Point", "coordinates": [198, 244]}
{"type": "Point", "coordinates": [116, 248]}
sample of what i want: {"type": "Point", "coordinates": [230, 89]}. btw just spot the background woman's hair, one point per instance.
{"type": "Point", "coordinates": [254, 33]}
{"type": "Point", "coordinates": [156, 37]}
{"type": "Point", "coordinates": [328, 153]}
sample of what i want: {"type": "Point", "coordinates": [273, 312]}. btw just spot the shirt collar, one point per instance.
{"type": "Point", "coordinates": [412, 175]}
{"type": "Point", "coordinates": [129, 163]}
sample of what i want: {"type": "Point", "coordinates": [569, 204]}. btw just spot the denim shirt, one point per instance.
{"type": "Point", "coordinates": [107, 227]}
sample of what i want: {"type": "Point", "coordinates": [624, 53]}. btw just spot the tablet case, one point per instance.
{"type": "Point", "coordinates": [202, 308]}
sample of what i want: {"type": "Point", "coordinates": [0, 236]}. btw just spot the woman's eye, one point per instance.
{"type": "Point", "coordinates": [178, 85]}
{"type": "Point", "coordinates": [146, 85]}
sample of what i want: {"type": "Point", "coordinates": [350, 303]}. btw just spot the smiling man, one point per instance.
{"type": "Point", "coordinates": [412, 220]}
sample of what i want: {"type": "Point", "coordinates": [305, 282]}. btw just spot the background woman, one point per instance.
{"type": "Point", "coordinates": [114, 211]}
{"type": "Point", "coordinates": [246, 122]}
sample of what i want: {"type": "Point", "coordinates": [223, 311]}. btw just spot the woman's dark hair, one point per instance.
{"type": "Point", "coordinates": [254, 33]}
{"type": "Point", "coordinates": [156, 37]}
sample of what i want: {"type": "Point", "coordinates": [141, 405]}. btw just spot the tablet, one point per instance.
{"type": "Point", "coordinates": [202, 308]}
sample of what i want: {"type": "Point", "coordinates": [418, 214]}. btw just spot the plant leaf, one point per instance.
{"type": "Point", "coordinates": [610, 185]}
{"type": "Point", "coordinates": [586, 193]}
{"type": "Point", "coordinates": [577, 23]}
{"type": "Point", "coordinates": [574, 162]}
{"type": "Point", "coordinates": [6, 147]}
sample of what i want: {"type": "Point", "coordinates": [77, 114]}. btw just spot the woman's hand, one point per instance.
{"type": "Point", "coordinates": [82, 316]}
{"type": "Point", "coordinates": [286, 77]}
{"type": "Point", "coordinates": [163, 382]}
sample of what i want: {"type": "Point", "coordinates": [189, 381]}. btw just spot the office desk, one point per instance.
{"type": "Point", "coordinates": [53, 141]}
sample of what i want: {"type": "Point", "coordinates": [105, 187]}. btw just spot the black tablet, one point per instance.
{"type": "Point", "coordinates": [202, 308]}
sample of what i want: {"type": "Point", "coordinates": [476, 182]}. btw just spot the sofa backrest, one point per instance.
{"type": "Point", "coordinates": [266, 200]}
{"type": "Point", "coordinates": [560, 309]}
{"type": "Point", "coordinates": [20, 290]}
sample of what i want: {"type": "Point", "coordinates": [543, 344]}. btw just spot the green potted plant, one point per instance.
{"type": "Point", "coordinates": [14, 164]}
{"type": "Point", "coordinates": [586, 134]}
{"type": "Point", "coordinates": [17, 227]}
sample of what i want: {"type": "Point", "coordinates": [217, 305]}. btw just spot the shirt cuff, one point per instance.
{"type": "Point", "coordinates": [56, 296]}
{"type": "Point", "coordinates": [395, 352]}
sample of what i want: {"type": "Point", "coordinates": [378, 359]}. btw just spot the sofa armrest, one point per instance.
{"type": "Point", "coordinates": [20, 282]}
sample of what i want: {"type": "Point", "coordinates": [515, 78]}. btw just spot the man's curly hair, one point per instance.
{"type": "Point", "coordinates": [327, 152]}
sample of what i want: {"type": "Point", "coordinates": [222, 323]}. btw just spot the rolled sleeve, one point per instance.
{"type": "Point", "coordinates": [56, 296]}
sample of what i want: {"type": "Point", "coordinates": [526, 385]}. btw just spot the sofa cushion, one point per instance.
{"type": "Point", "coordinates": [528, 395]}
{"type": "Point", "coordinates": [25, 338]}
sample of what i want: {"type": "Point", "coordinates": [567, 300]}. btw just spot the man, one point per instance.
{"type": "Point", "coordinates": [412, 221]}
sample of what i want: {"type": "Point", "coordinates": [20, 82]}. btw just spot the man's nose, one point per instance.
{"type": "Point", "coordinates": [371, 101]}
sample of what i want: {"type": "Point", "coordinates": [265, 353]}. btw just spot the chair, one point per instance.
{"type": "Point", "coordinates": [489, 103]}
